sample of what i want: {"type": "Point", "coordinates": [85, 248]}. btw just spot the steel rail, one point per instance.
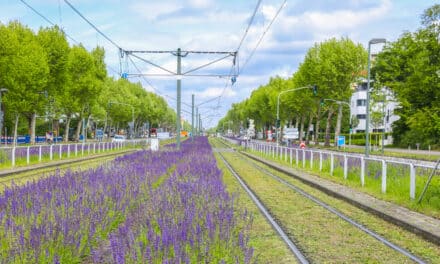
{"type": "Point", "coordinates": [293, 248]}
{"type": "Point", "coordinates": [336, 212]}
{"type": "Point", "coordinates": [342, 216]}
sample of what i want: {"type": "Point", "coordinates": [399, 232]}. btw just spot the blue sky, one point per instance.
{"type": "Point", "coordinates": [209, 25]}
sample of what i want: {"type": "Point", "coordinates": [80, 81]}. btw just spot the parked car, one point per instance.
{"type": "Point", "coordinates": [118, 138]}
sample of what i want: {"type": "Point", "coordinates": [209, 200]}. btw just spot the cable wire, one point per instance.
{"type": "Point", "coordinates": [262, 36]}
{"type": "Point", "coordinates": [91, 24]}
{"type": "Point", "coordinates": [249, 25]}
{"type": "Point", "coordinates": [48, 21]}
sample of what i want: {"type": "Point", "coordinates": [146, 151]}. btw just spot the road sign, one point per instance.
{"type": "Point", "coordinates": [341, 141]}
{"type": "Point", "coordinates": [290, 133]}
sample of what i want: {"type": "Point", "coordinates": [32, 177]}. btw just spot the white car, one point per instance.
{"type": "Point", "coordinates": [118, 138]}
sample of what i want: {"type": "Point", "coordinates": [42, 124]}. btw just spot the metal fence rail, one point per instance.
{"type": "Point", "coordinates": [25, 155]}
{"type": "Point", "coordinates": [346, 164]}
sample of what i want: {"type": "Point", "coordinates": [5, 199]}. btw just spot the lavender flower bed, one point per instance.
{"type": "Point", "coordinates": [190, 218]}
{"type": "Point", "coordinates": [143, 207]}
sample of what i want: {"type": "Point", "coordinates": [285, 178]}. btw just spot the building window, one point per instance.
{"type": "Point", "coordinates": [362, 86]}
{"type": "Point", "coordinates": [361, 116]}
{"type": "Point", "coordinates": [360, 131]}
{"type": "Point", "coordinates": [361, 102]}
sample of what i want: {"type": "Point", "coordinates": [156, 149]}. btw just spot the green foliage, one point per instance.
{"type": "Point", "coordinates": [409, 68]}
{"type": "Point", "coordinates": [47, 77]}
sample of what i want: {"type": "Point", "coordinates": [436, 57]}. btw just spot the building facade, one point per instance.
{"type": "Point", "coordinates": [383, 104]}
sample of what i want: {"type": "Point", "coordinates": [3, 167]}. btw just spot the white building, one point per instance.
{"type": "Point", "coordinates": [358, 107]}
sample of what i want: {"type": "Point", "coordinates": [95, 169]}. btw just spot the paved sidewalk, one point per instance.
{"type": "Point", "coordinates": [418, 223]}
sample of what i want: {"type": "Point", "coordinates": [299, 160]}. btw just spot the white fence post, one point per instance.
{"type": "Point", "coordinates": [304, 158]}
{"type": "Point", "coordinates": [13, 157]}
{"type": "Point", "coordinates": [94, 148]}
{"type": "Point", "coordinates": [320, 161]}
{"type": "Point", "coordinates": [27, 155]}
{"type": "Point", "coordinates": [296, 156]}
{"type": "Point", "coordinates": [291, 150]}
{"type": "Point", "coordinates": [332, 158]}
{"type": "Point", "coordinates": [285, 154]}
{"type": "Point", "coordinates": [39, 154]}
{"type": "Point", "coordinates": [60, 150]}
{"type": "Point", "coordinates": [384, 176]}
{"type": "Point", "coordinates": [68, 150]}
{"type": "Point", "coordinates": [362, 171]}
{"type": "Point", "coordinates": [311, 159]}
{"type": "Point", "coordinates": [51, 152]}
{"type": "Point", "coordinates": [412, 181]}
{"type": "Point", "coordinates": [345, 167]}
{"type": "Point", "coordinates": [76, 150]}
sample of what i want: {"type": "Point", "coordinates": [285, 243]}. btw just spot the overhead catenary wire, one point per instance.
{"type": "Point", "coordinates": [249, 24]}
{"type": "Point", "coordinates": [238, 49]}
{"type": "Point", "coordinates": [262, 36]}
{"type": "Point", "coordinates": [48, 20]}
{"type": "Point", "coordinates": [92, 25]}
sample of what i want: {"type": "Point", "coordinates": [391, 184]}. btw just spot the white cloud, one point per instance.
{"type": "Point", "coordinates": [154, 9]}
{"type": "Point", "coordinates": [200, 3]}
{"type": "Point", "coordinates": [215, 92]}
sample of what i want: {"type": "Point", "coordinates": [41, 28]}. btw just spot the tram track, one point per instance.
{"type": "Point", "coordinates": [301, 256]}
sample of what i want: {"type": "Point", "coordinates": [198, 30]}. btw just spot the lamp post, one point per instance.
{"type": "Point", "coordinates": [367, 121]}
{"type": "Point", "coordinates": [278, 105]}
{"type": "Point", "coordinates": [383, 119]}
{"type": "Point", "coordinates": [2, 90]}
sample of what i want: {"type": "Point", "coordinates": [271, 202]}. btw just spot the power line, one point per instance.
{"type": "Point", "coordinates": [48, 21]}
{"type": "Point", "coordinates": [262, 36]}
{"type": "Point", "coordinates": [143, 77]}
{"type": "Point", "coordinates": [91, 24]}
{"type": "Point", "coordinates": [249, 25]}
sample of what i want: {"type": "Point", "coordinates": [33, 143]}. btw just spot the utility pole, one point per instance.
{"type": "Point", "coordinates": [179, 82]}
{"type": "Point", "coordinates": [179, 73]}
{"type": "Point", "coordinates": [197, 121]}
{"type": "Point", "coordinates": [192, 117]}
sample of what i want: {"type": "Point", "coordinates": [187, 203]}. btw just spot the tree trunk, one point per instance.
{"type": "Point", "coordinates": [78, 128]}
{"type": "Point", "coordinates": [297, 122]}
{"type": "Point", "coordinates": [328, 127]}
{"type": "Point", "coordinates": [15, 129]}
{"type": "Point", "coordinates": [338, 124]}
{"type": "Point", "coordinates": [318, 120]}
{"type": "Point", "coordinates": [56, 127]}
{"type": "Point", "coordinates": [106, 123]}
{"type": "Point", "coordinates": [66, 129]}
{"type": "Point", "coordinates": [32, 126]}
{"type": "Point", "coordinates": [308, 127]}
{"type": "Point", "coordinates": [301, 130]}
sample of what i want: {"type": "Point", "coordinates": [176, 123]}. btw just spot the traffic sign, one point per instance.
{"type": "Point", "coordinates": [341, 141]}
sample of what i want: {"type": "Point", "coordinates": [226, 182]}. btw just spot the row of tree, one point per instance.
{"type": "Point", "coordinates": [409, 67]}
{"type": "Point", "coordinates": [46, 77]}
{"type": "Point", "coordinates": [332, 66]}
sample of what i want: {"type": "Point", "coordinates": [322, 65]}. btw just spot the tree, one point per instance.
{"type": "Point", "coordinates": [25, 73]}
{"type": "Point", "coordinates": [408, 67]}
{"type": "Point", "coordinates": [54, 43]}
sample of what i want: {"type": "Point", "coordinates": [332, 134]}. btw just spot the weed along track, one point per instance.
{"type": "Point", "coordinates": [322, 228]}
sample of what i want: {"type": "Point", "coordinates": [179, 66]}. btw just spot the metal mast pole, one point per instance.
{"type": "Point", "coordinates": [192, 118]}
{"type": "Point", "coordinates": [178, 98]}
{"type": "Point", "coordinates": [367, 120]}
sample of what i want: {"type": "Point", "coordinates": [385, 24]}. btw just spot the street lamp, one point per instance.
{"type": "Point", "coordinates": [2, 90]}
{"type": "Point", "coordinates": [367, 121]}
{"type": "Point", "coordinates": [314, 87]}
